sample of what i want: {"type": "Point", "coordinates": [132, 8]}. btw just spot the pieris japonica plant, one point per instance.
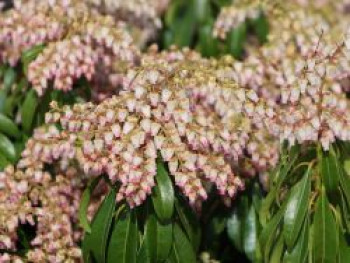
{"type": "Point", "coordinates": [113, 152]}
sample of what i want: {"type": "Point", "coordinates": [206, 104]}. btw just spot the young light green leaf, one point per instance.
{"type": "Point", "coordinates": [296, 210]}
{"type": "Point", "coordinates": [182, 251]}
{"type": "Point", "coordinates": [7, 149]}
{"type": "Point", "coordinates": [277, 250]}
{"type": "Point", "coordinates": [8, 127]}
{"type": "Point", "coordinates": [84, 204]}
{"type": "Point", "coordinates": [96, 241]}
{"type": "Point", "coordinates": [163, 193]}
{"type": "Point", "coordinates": [28, 109]}
{"type": "Point", "coordinates": [325, 232]}
{"type": "Point", "coordinates": [158, 238]}
{"type": "Point", "coordinates": [122, 247]}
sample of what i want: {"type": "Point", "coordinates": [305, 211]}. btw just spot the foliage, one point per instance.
{"type": "Point", "coordinates": [231, 147]}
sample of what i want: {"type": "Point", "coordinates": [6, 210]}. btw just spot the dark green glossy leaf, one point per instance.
{"type": "Point", "coordinates": [325, 232]}
{"type": "Point", "coordinates": [268, 234]}
{"type": "Point", "coordinates": [7, 149]}
{"type": "Point", "coordinates": [158, 238]}
{"type": "Point", "coordinates": [28, 109]}
{"type": "Point", "coordinates": [189, 222]}
{"type": "Point", "coordinates": [142, 254]}
{"type": "Point", "coordinates": [208, 45]}
{"type": "Point", "coordinates": [8, 127]}
{"type": "Point", "coordinates": [330, 171]}
{"type": "Point", "coordinates": [296, 209]}
{"type": "Point", "coordinates": [96, 241]}
{"type": "Point", "coordinates": [9, 78]}
{"type": "Point", "coordinates": [182, 251]}
{"type": "Point", "coordinates": [261, 28]}
{"type": "Point", "coordinates": [123, 242]}
{"type": "Point", "coordinates": [84, 204]}
{"type": "Point", "coordinates": [163, 193]}
{"type": "Point", "coordinates": [236, 40]}
{"type": "Point", "coordinates": [3, 96]}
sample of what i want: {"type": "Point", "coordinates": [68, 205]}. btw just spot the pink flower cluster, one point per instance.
{"type": "Point", "coordinates": [79, 42]}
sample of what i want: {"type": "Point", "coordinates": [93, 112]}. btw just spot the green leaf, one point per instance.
{"type": "Point", "coordinates": [267, 235]}
{"type": "Point", "coordinates": [235, 228]}
{"type": "Point", "coordinates": [189, 222]}
{"type": "Point", "coordinates": [123, 242]}
{"type": "Point", "coordinates": [297, 206]}
{"type": "Point", "coordinates": [3, 96]}
{"type": "Point", "coordinates": [142, 254]}
{"type": "Point", "coordinates": [325, 232]}
{"type": "Point", "coordinates": [261, 28]}
{"type": "Point", "coordinates": [183, 28]}
{"type": "Point", "coordinates": [344, 249]}
{"type": "Point", "coordinates": [163, 193]}
{"type": "Point", "coordinates": [96, 241]}
{"type": "Point", "coordinates": [299, 251]}
{"type": "Point", "coordinates": [182, 251]}
{"type": "Point", "coordinates": [29, 55]}
{"type": "Point", "coordinates": [8, 127]}
{"type": "Point", "coordinates": [250, 236]}
{"type": "Point", "coordinates": [3, 162]}
{"type": "Point", "coordinates": [9, 78]}
{"type": "Point", "coordinates": [84, 204]}
{"type": "Point", "coordinates": [7, 149]}
{"type": "Point", "coordinates": [277, 250]}
{"type": "Point", "coordinates": [344, 178]}
{"type": "Point", "coordinates": [330, 171]}
{"type": "Point", "coordinates": [28, 109]}
{"type": "Point", "coordinates": [201, 10]}
{"type": "Point", "coordinates": [208, 45]}
{"type": "Point", "coordinates": [158, 238]}
{"type": "Point", "coordinates": [236, 40]}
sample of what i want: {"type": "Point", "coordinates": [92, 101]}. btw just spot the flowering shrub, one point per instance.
{"type": "Point", "coordinates": [114, 153]}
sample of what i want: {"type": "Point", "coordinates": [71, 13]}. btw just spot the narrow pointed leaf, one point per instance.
{"type": "Point", "coordinates": [268, 234]}
{"type": "Point", "coordinates": [96, 242]}
{"type": "Point", "coordinates": [277, 251]}
{"type": "Point", "coordinates": [84, 204]}
{"type": "Point", "coordinates": [189, 222]}
{"type": "Point", "coordinates": [299, 251]}
{"type": "Point", "coordinates": [8, 127]}
{"type": "Point", "coordinates": [236, 40]}
{"type": "Point", "coordinates": [28, 109]}
{"type": "Point", "coordinates": [158, 238]}
{"type": "Point", "coordinates": [7, 149]}
{"type": "Point", "coordinates": [9, 78]}
{"type": "Point", "coordinates": [296, 209]}
{"type": "Point", "coordinates": [182, 251]}
{"type": "Point", "coordinates": [163, 194]}
{"type": "Point", "coordinates": [142, 254]}
{"type": "Point", "coordinates": [325, 232]}
{"type": "Point", "coordinates": [330, 171]}
{"type": "Point", "coordinates": [250, 234]}
{"type": "Point", "coordinates": [122, 247]}
{"type": "Point", "coordinates": [235, 229]}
